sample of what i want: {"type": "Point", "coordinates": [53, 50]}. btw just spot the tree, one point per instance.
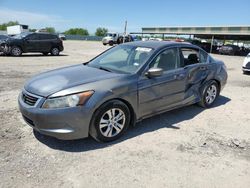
{"type": "Point", "coordinates": [50, 29]}
{"type": "Point", "coordinates": [101, 32]}
{"type": "Point", "coordinates": [5, 25]}
{"type": "Point", "coordinates": [32, 30]}
{"type": "Point", "coordinates": [77, 31]}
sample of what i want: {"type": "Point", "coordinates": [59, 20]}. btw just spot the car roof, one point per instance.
{"type": "Point", "coordinates": [158, 44]}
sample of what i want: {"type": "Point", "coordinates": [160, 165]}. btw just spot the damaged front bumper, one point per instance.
{"type": "Point", "coordinates": [4, 48]}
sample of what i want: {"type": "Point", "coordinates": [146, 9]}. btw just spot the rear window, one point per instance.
{"type": "Point", "coordinates": [47, 36]}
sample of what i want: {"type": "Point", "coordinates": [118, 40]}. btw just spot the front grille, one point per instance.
{"type": "Point", "coordinates": [29, 121]}
{"type": "Point", "coordinates": [28, 99]}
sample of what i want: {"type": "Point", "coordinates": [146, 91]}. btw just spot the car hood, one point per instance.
{"type": "Point", "coordinates": [48, 83]}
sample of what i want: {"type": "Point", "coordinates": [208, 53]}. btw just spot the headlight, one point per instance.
{"type": "Point", "coordinates": [68, 101]}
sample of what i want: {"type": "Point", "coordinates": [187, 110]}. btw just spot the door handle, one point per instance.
{"type": "Point", "coordinates": [203, 68]}
{"type": "Point", "coordinates": [179, 76]}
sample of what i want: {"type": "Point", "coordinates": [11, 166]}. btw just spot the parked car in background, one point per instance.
{"type": "Point", "coordinates": [246, 64]}
{"type": "Point", "coordinates": [125, 84]}
{"type": "Point", "coordinates": [155, 39]}
{"type": "Point", "coordinates": [62, 36]}
{"type": "Point", "coordinates": [229, 49]}
{"type": "Point", "coordinates": [204, 45]}
{"type": "Point", "coordinates": [116, 38]}
{"type": "Point", "coordinates": [3, 37]}
{"type": "Point", "coordinates": [17, 29]}
{"type": "Point", "coordinates": [2, 40]}
{"type": "Point", "coordinates": [33, 42]}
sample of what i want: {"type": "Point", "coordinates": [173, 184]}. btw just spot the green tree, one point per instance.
{"type": "Point", "coordinates": [77, 31]}
{"type": "Point", "coordinates": [32, 30]}
{"type": "Point", "coordinates": [50, 29]}
{"type": "Point", "coordinates": [5, 25]}
{"type": "Point", "coordinates": [101, 32]}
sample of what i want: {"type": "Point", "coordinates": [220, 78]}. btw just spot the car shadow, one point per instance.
{"type": "Point", "coordinates": [33, 55]}
{"type": "Point", "coordinates": [40, 55]}
{"type": "Point", "coordinates": [165, 120]}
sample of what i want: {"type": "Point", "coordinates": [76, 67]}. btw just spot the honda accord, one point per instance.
{"type": "Point", "coordinates": [119, 87]}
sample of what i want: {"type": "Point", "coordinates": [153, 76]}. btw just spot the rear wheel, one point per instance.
{"type": "Point", "coordinates": [55, 51]}
{"type": "Point", "coordinates": [16, 51]}
{"type": "Point", "coordinates": [110, 121]}
{"type": "Point", "coordinates": [209, 94]}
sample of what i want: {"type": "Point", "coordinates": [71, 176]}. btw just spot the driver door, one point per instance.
{"type": "Point", "coordinates": [31, 43]}
{"type": "Point", "coordinates": [166, 91]}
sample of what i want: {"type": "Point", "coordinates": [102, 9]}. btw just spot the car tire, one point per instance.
{"type": "Point", "coordinates": [111, 43]}
{"type": "Point", "coordinates": [120, 40]}
{"type": "Point", "coordinates": [55, 51]}
{"type": "Point", "coordinates": [45, 53]}
{"type": "Point", "coordinates": [16, 51]}
{"type": "Point", "coordinates": [110, 121]}
{"type": "Point", "coordinates": [209, 93]}
{"type": "Point", "coordinates": [104, 44]}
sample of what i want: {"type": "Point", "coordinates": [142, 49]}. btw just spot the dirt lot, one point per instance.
{"type": "Point", "coordinates": [188, 147]}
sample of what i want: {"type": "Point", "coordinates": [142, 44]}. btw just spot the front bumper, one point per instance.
{"type": "Point", "coordinates": [246, 69]}
{"type": "Point", "coordinates": [64, 123]}
{"type": "Point", "coordinates": [4, 48]}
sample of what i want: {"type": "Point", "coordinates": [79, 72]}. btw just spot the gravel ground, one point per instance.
{"type": "Point", "coordinates": [188, 147]}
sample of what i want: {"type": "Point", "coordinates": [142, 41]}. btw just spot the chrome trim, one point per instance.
{"type": "Point", "coordinates": [39, 98]}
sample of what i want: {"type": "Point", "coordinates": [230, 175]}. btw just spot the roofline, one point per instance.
{"type": "Point", "coordinates": [197, 26]}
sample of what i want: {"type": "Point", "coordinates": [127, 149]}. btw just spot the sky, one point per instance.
{"type": "Point", "coordinates": [90, 14]}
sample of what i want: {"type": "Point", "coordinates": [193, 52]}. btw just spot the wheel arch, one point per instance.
{"type": "Point", "coordinates": [16, 45]}
{"type": "Point", "coordinates": [218, 82]}
{"type": "Point", "coordinates": [127, 103]}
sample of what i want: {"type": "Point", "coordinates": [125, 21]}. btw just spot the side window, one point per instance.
{"type": "Point", "coordinates": [45, 37]}
{"type": "Point", "coordinates": [203, 57]}
{"type": "Point", "coordinates": [32, 37]}
{"type": "Point", "coordinates": [167, 60]}
{"type": "Point", "coordinates": [190, 56]}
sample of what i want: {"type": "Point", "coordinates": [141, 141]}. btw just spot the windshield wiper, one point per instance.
{"type": "Point", "coordinates": [104, 68]}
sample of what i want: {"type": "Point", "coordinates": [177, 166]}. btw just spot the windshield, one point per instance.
{"type": "Point", "coordinates": [20, 36]}
{"type": "Point", "coordinates": [122, 59]}
{"type": "Point", "coordinates": [110, 34]}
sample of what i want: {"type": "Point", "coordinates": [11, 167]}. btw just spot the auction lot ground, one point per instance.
{"type": "Point", "coordinates": [188, 147]}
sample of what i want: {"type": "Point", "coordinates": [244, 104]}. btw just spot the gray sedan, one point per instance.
{"type": "Point", "coordinates": [121, 86]}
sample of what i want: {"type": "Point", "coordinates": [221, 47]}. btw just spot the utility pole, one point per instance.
{"type": "Point", "coordinates": [211, 47]}
{"type": "Point", "coordinates": [125, 31]}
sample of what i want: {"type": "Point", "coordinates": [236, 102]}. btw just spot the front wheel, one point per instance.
{"type": "Point", "coordinates": [16, 51]}
{"type": "Point", "coordinates": [209, 94]}
{"type": "Point", "coordinates": [110, 121]}
{"type": "Point", "coordinates": [111, 43]}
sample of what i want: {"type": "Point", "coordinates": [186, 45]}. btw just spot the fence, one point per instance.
{"type": "Point", "coordinates": [80, 37]}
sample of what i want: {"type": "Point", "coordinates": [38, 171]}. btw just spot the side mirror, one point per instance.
{"type": "Point", "coordinates": [154, 72]}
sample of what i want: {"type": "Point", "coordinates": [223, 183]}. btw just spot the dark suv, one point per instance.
{"type": "Point", "coordinates": [33, 42]}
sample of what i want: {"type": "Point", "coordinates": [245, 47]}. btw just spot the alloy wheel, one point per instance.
{"type": "Point", "coordinates": [211, 94]}
{"type": "Point", "coordinates": [55, 51]}
{"type": "Point", "coordinates": [16, 51]}
{"type": "Point", "coordinates": [112, 122]}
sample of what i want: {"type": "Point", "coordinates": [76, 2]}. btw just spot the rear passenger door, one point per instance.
{"type": "Point", "coordinates": [195, 62]}
{"type": "Point", "coordinates": [45, 42]}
